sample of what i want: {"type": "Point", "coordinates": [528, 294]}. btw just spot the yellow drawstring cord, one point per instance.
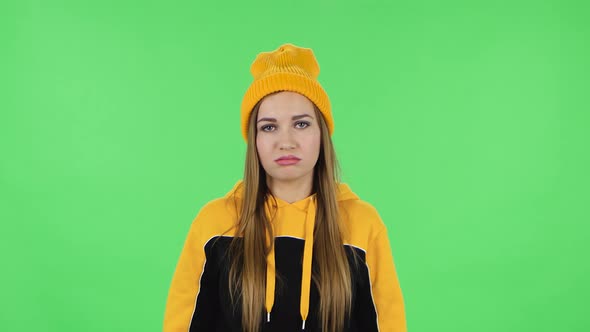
{"type": "Point", "coordinates": [270, 282]}
{"type": "Point", "coordinates": [307, 257]}
{"type": "Point", "coordinates": [270, 275]}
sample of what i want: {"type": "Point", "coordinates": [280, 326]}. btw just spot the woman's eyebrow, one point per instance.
{"type": "Point", "coordinates": [296, 117]}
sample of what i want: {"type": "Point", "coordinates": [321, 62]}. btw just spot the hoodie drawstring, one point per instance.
{"type": "Point", "coordinates": [270, 282]}
{"type": "Point", "coordinates": [306, 274]}
{"type": "Point", "coordinates": [270, 276]}
{"type": "Point", "coordinates": [307, 256]}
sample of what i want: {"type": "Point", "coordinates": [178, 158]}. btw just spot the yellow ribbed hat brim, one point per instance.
{"type": "Point", "coordinates": [285, 81]}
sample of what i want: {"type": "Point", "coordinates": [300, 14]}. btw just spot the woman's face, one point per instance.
{"type": "Point", "coordinates": [287, 126]}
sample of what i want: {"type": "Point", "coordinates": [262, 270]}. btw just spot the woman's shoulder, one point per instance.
{"type": "Point", "coordinates": [362, 221]}
{"type": "Point", "coordinates": [356, 209]}
{"type": "Point", "coordinates": [215, 217]}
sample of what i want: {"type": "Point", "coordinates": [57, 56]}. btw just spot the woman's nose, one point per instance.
{"type": "Point", "coordinates": [286, 140]}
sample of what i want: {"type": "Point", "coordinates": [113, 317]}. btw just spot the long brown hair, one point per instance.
{"type": "Point", "coordinates": [249, 247]}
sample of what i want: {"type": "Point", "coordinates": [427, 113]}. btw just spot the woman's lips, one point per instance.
{"type": "Point", "coordinates": [286, 162]}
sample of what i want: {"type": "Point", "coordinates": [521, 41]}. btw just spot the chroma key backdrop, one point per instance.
{"type": "Point", "coordinates": [465, 123]}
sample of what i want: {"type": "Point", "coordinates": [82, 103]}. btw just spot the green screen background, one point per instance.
{"type": "Point", "coordinates": [465, 123]}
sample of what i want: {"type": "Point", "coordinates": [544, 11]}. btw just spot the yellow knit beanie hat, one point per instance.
{"type": "Point", "coordinates": [288, 68]}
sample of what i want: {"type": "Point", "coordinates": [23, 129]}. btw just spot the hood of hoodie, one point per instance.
{"type": "Point", "coordinates": [296, 219]}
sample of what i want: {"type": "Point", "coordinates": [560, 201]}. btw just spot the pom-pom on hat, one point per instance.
{"type": "Point", "coordinates": [288, 68]}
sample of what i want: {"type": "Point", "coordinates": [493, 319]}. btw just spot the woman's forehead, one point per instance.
{"type": "Point", "coordinates": [285, 105]}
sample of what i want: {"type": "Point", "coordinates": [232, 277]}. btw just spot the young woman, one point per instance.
{"type": "Point", "coordinates": [289, 247]}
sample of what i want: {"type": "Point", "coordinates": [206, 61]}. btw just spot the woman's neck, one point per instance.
{"type": "Point", "coordinates": [290, 191]}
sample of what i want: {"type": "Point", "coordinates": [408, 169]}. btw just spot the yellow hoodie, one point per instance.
{"type": "Point", "coordinates": [198, 298]}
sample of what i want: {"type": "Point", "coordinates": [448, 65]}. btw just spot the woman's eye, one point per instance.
{"type": "Point", "coordinates": [303, 122]}
{"type": "Point", "coordinates": [298, 125]}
